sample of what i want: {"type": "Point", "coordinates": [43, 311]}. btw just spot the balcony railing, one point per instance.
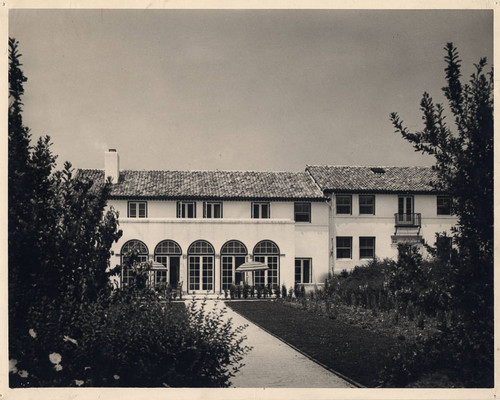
{"type": "Point", "coordinates": [408, 219]}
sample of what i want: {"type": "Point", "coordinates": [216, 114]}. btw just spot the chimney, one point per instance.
{"type": "Point", "coordinates": [111, 165]}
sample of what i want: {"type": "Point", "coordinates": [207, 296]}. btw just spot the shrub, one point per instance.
{"type": "Point", "coordinates": [277, 291]}
{"type": "Point", "coordinates": [421, 321]}
{"type": "Point", "coordinates": [138, 342]}
{"type": "Point", "coordinates": [232, 291]}
{"type": "Point", "coordinates": [283, 291]}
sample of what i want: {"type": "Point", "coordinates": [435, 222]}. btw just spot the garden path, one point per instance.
{"type": "Point", "coordinates": [274, 364]}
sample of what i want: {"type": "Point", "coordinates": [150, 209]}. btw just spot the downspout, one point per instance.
{"type": "Point", "coordinates": [331, 231]}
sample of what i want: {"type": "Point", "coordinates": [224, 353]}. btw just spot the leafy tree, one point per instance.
{"type": "Point", "coordinates": [464, 157]}
{"type": "Point", "coordinates": [464, 165]}
{"type": "Point", "coordinates": [66, 326]}
{"type": "Point", "coordinates": [59, 232]}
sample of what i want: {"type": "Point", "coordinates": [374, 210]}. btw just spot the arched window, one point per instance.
{"type": "Point", "coordinates": [168, 247]}
{"type": "Point", "coordinates": [233, 254]}
{"type": "Point", "coordinates": [201, 266]}
{"type": "Point", "coordinates": [267, 252]}
{"type": "Point", "coordinates": [201, 247]}
{"type": "Point", "coordinates": [167, 253]}
{"type": "Point", "coordinates": [234, 247]}
{"type": "Point", "coordinates": [142, 257]}
{"type": "Point", "coordinates": [266, 247]}
{"type": "Point", "coordinates": [131, 244]}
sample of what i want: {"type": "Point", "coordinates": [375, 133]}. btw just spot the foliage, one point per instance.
{"type": "Point", "coordinates": [59, 234]}
{"type": "Point", "coordinates": [134, 340]}
{"type": "Point", "coordinates": [277, 291]}
{"type": "Point", "coordinates": [464, 159]}
{"type": "Point", "coordinates": [67, 327]}
{"type": "Point", "coordinates": [464, 164]}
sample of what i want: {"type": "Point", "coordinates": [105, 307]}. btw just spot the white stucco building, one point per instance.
{"type": "Point", "coordinates": [201, 225]}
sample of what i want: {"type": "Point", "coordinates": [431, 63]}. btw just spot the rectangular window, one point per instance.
{"type": "Point", "coordinates": [208, 273]}
{"type": "Point", "coordinates": [344, 203]}
{"type": "Point", "coordinates": [227, 272]}
{"type": "Point", "coordinates": [366, 247]}
{"type": "Point", "coordinates": [443, 205]}
{"type": "Point", "coordinates": [194, 273]}
{"type": "Point", "coordinates": [212, 209]}
{"type": "Point", "coordinates": [260, 276]}
{"type": "Point", "coordinates": [302, 212]}
{"type": "Point", "coordinates": [186, 209]}
{"type": "Point", "coordinates": [303, 270]}
{"type": "Point", "coordinates": [260, 210]}
{"type": "Point", "coordinates": [366, 204]}
{"type": "Point", "coordinates": [137, 209]}
{"type": "Point", "coordinates": [344, 247]}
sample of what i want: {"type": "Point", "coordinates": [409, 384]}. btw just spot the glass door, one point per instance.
{"type": "Point", "coordinates": [201, 273]}
{"type": "Point", "coordinates": [229, 274]}
{"type": "Point", "coordinates": [405, 209]}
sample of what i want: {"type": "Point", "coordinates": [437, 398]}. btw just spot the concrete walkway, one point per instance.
{"type": "Point", "coordinates": [273, 364]}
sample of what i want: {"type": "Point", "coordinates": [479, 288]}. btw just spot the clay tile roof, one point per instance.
{"type": "Point", "coordinates": [227, 185]}
{"type": "Point", "coordinates": [373, 179]}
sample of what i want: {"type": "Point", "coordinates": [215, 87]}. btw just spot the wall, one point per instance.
{"type": "Point", "coordinates": [311, 241]}
{"type": "Point", "coordinates": [382, 226]}
{"type": "Point", "coordinates": [293, 239]}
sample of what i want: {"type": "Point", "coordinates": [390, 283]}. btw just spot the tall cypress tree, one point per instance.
{"type": "Point", "coordinates": [463, 151]}
{"type": "Point", "coordinates": [60, 233]}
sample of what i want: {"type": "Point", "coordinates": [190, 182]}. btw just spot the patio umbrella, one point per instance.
{"type": "Point", "coordinates": [157, 265]}
{"type": "Point", "coordinates": [252, 266]}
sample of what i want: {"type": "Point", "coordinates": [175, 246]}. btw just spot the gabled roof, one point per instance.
{"type": "Point", "coordinates": [353, 179]}
{"type": "Point", "coordinates": [228, 185]}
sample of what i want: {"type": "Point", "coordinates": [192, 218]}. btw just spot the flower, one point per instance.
{"type": "Point", "coordinates": [55, 358]}
{"type": "Point", "coordinates": [12, 365]}
{"type": "Point", "coordinates": [68, 339]}
{"type": "Point", "coordinates": [23, 373]}
{"type": "Point", "coordinates": [32, 333]}
{"type": "Point", "coordinates": [79, 382]}
{"type": "Point", "coordinates": [116, 377]}
{"type": "Point", "coordinates": [58, 367]}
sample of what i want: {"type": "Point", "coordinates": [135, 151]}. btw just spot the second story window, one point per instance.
{"type": "Point", "coordinates": [186, 209]}
{"type": "Point", "coordinates": [344, 246]}
{"type": "Point", "coordinates": [302, 212]}
{"type": "Point", "coordinates": [443, 205]}
{"type": "Point", "coordinates": [366, 204]}
{"type": "Point", "coordinates": [344, 203]}
{"type": "Point", "coordinates": [260, 210]}
{"type": "Point", "coordinates": [367, 247]}
{"type": "Point", "coordinates": [212, 209]}
{"type": "Point", "coordinates": [137, 209]}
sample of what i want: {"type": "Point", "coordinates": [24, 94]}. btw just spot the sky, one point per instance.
{"type": "Point", "coordinates": [237, 89]}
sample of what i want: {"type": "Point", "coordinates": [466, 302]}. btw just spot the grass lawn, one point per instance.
{"type": "Point", "coordinates": [354, 352]}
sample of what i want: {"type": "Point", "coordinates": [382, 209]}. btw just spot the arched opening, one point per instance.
{"type": "Point", "coordinates": [233, 253]}
{"type": "Point", "coordinates": [267, 252]}
{"type": "Point", "coordinates": [167, 253]}
{"type": "Point", "coordinates": [142, 257]}
{"type": "Point", "coordinates": [201, 266]}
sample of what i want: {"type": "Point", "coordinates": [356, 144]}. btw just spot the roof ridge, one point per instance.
{"type": "Point", "coordinates": [368, 166]}
{"type": "Point", "coordinates": [210, 170]}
